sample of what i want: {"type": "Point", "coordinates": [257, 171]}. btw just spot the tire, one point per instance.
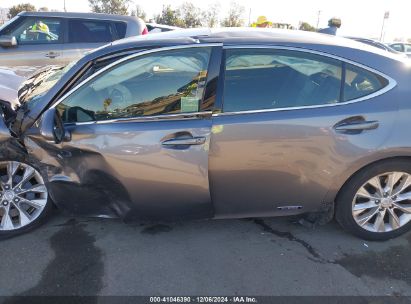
{"type": "Point", "coordinates": [383, 218]}
{"type": "Point", "coordinates": [24, 199]}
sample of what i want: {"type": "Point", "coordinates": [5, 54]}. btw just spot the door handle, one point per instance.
{"type": "Point", "coordinates": [356, 127]}
{"type": "Point", "coordinates": [52, 55]}
{"type": "Point", "coordinates": [184, 141]}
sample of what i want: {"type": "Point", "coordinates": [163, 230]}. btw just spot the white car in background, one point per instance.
{"type": "Point", "coordinates": [402, 47]}
{"type": "Point", "coordinates": [159, 28]}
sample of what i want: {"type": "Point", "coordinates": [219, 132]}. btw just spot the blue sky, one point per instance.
{"type": "Point", "coordinates": [359, 17]}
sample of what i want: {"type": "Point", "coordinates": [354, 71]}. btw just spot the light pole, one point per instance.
{"type": "Point", "coordinates": [318, 19]}
{"type": "Point", "coordinates": [64, 1]}
{"type": "Point", "coordinates": [386, 16]}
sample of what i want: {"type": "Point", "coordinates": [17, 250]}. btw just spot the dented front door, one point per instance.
{"type": "Point", "coordinates": [140, 134]}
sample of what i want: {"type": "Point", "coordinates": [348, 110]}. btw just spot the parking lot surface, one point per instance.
{"type": "Point", "coordinates": [78, 256]}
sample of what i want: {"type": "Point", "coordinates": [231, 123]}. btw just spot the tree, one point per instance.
{"type": "Point", "coordinates": [305, 26]}
{"type": "Point", "coordinates": [24, 7]}
{"type": "Point", "coordinates": [190, 15]}
{"type": "Point", "coordinates": [139, 12]}
{"type": "Point", "coordinates": [234, 18]}
{"type": "Point", "coordinates": [118, 7]}
{"type": "Point", "coordinates": [210, 16]}
{"type": "Point", "coordinates": [44, 9]}
{"type": "Point", "coordinates": [169, 16]}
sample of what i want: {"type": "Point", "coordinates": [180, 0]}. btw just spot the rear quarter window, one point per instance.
{"type": "Point", "coordinates": [360, 82]}
{"type": "Point", "coordinates": [121, 29]}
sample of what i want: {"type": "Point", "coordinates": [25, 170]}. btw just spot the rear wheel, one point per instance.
{"type": "Point", "coordinates": [376, 203]}
{"type": "Point", "coordinates": [23, 198]}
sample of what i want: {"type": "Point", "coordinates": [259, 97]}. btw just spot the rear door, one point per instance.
{"type": "Point", "coordinates": [40, 43]}
{"type": "Point", "coordinates": [140, 137]}
{"type": "Point", "coordinates": [84, 35]}
{"type": "Point", "coordinates": [292, 122]}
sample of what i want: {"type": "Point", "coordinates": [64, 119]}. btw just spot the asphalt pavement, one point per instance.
{"type": "Point", "coordinates": [80, 256]}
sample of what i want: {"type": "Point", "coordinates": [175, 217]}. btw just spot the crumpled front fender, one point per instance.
{"type": "Point", "coordinates": [71, 179]}
{"type": "Point", "coordinates": [4, 131]}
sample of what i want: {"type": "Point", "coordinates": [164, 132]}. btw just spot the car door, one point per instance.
{"type": "Point", "coordinates": [84, 35]}
{"type": "Point", "coordinates": [140, 132]}
{"type": "Point", "coordinates": [291, 122]}
{"type": "Point", "coordinates": [38, 45]}
{"type": "Point", "coordinates": [407, 48]}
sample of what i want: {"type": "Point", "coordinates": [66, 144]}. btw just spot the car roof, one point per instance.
{"type": "Point", "coordinates": [333, 46]}
{"type": "Point", "coordinates": [79, 15]}
{"type": "Point", "coordinates": [243, 36]}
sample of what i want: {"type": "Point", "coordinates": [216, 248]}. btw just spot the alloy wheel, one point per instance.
{"type": "Point", "coordinates": [23, 195]}
{"type": "Point", "coordinates": [383, 203]}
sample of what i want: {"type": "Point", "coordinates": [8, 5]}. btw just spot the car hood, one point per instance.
{"type": "Point", "coordinates": [10, 82]}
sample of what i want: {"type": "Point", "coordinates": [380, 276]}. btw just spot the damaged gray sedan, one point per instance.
{"type": "Point", "coordinates": [214, 124]}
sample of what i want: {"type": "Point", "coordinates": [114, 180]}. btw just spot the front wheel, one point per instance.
{"type": "Point", "coordinates": [376, 203]}
{"type": "Point", "coordinates": [24, 201]}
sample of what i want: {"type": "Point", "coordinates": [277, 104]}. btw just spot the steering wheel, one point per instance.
{"type": "Point", "coordinates": [120, 96]}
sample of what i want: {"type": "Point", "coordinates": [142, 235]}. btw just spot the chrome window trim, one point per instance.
{"type": "Point", "coordinates": [130, 57]}
{"type": "Point", "coordinates": [391, 82]}
{"type": "Point", "coordinates": [165, 117]}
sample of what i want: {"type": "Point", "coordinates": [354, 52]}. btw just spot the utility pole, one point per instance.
{"type": "Point", "coordinates": [386, 16]}
{"type": "Point", "coordinates": [249, 18]}
{"type": "Point", "coordinates": [318, 19]}
{"type": "Point", "coordinates": [64, 1]}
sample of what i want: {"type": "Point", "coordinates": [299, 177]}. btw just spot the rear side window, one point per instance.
{"type": "Point", "coordinates": [270, 79]}
{"type": "Point", "coordinates": [360, 82]}
{"type": "Point", "coordinates": [121, 29]}
{"type": "Point", "coordinates": [89, 31]}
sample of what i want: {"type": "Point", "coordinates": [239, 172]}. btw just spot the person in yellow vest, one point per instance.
{"type": "Point", "coordinates": [262, 22]}
{"type": "Point", "coordinates": [39, 26]}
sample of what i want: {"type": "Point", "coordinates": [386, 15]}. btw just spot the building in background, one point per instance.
{"type": "Point", "coordinates": [263, 22]}
{"type": "Point", "coordinates": [3, 15]}
{"type": "Point", "coordinates": [286, 26]}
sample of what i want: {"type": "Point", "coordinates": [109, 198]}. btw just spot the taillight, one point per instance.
{"type": "Point", "coordinates": [145, 31]}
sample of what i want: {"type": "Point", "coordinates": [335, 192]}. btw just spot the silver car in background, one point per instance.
{"type": "Point", "coordinates": [36, 39]}
{"type": "Point", "coordinates": [222, 123]}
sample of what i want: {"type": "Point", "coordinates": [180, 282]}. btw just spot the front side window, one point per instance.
{"type": "Point", "coordinates": [165, 82]}
{"type": "Point", "coordinates": [89, 31]}
{"type": "Point", "coordinates": [258, 79]}
{"type": "Point", "coordinates": [36, 30]}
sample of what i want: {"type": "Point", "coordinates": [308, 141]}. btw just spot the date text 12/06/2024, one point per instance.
{"type": "Point", "coordinates": [236, 299]}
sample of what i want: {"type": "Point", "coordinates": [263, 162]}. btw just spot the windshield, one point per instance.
{"type": "Point", "coordinates": [34, 88]}
{"type": "Point", "coordinates": [8, 22]}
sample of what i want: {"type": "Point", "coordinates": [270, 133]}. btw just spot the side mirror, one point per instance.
{"type": "Point", "coordinates": [52, 127]}
{"type": "Point", "coordinates": [8, 41]}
